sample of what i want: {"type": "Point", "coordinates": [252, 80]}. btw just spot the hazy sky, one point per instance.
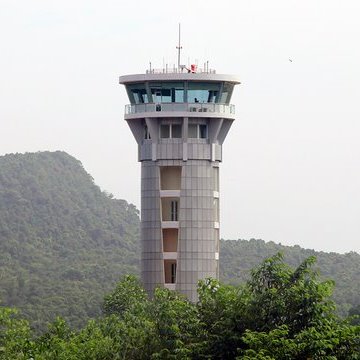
{"type": "Point", "coordinates": [291, 160]}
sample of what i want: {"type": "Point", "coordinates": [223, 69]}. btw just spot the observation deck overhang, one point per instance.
{"type": "Point", "coordinates": [128, 79]}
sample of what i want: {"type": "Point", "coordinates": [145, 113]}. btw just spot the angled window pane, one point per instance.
{"type": "Point", "coordinates": [139, 93]}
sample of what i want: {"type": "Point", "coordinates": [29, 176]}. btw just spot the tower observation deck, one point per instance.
{"type": "Point", "coordinates": [180, 120]}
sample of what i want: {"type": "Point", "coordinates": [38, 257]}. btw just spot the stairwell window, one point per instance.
{"type": "Point", "coordinates": [169, 209]}
{"type": "Point", "coordinates": [170, 271]}
{"type": "Point", "coordinates": [173, 273]}
{"type": "Point", "coordinates": [174, 210]}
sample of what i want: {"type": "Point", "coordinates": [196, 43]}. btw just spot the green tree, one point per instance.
{"type": "Point", "coordinates": [280, 313]}
{"type": "Point", "coordinates": [177, 325]}
{"type": "Point", "coordinates": [128, 296]}
{"type": "Point", "coordinates": [15, 336]}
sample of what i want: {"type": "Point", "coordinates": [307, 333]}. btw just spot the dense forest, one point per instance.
{"type": "Point", "coordinates": [64, 243]}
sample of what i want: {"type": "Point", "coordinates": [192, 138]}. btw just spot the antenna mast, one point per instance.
{"type": "Point", "coordinates": [179, 47]}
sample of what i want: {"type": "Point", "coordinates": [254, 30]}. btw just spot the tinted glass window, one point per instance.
{"type": "Point", "coordinates": [203, 92]}
{"type": "Point", "coordinates": [167, 92]}
{"type": "Point", "coordinates": [179, 95]}
{"type": "Point", "coordinates": [166, 95]}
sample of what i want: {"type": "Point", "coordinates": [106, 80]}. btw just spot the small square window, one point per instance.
{"type": "Point", "coordinates": [176, 131]}
{"type": "Point", "coordinates": [192, 133]}
{"type": "Point", "coordinates": [164, 131]}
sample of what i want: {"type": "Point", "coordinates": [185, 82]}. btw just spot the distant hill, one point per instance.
{"type": "Point", "coordinates": [64, 243]}
{"type": "Point", "coordinates": [238, 257]}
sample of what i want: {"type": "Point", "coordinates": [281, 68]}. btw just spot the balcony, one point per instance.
{"type": "Point", "coordinates": [132, 109]}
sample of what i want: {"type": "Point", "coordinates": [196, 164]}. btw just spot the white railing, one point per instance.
{"type": "Point", "coordinates": [181, 70]}
{"type": "Point", "coordinates": [184, 107]}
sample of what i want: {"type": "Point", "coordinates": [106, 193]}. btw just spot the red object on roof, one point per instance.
{"type": "Point", "coordinates": [193, 68]}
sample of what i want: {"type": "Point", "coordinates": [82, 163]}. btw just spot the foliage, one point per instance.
{"type": "Point", "coordinates": [354, 313]}
{"type": "Point", "coordinates": [120, 300]}
{"type": "Point", "coordinates": [280, 313]}
{"type": "Point", "coordinates": [14, 335]}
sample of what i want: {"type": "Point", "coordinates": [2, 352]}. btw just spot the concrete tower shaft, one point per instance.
{"type": "Point", "coordinates": [180, 121]}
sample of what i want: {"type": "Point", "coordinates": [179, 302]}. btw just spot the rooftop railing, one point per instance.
{"type": "Point", "coordinates": [181, 70]}
{"type": "Point", "coordinates": [183, 107]}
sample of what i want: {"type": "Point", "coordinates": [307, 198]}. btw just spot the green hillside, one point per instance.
{"type": "Point", "coordinates": [238, 257]}
{"type": "Point", "coordinates": [64, 243]}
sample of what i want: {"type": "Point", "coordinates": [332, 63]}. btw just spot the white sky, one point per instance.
{"type": "Point", "coordinates": [291, 160]}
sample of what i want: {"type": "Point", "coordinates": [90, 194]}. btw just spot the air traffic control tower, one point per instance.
{"type": "Point", "coordinates": [179, 118]}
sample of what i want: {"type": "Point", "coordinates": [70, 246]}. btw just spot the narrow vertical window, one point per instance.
{"type": "Point", "coordinates": [174, 210]}
{"type": "Point", "coordinates": [217, 240]}
{"type": "Point", "coordinates": [170, 271]}
{"type": "Point", "coordinates": [202, 131]}
{"type": "Point", "coordinates": [216, 178]}
{"type": "Point", "coordinates": [216, 210]}
{"type": "Point", "coordinates": [173, 273]}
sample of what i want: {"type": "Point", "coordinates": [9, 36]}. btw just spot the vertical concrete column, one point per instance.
{"type": "Point", "coordinates": [185, 138]}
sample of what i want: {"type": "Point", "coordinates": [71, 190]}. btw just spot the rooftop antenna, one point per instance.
{"type": "Point", "coordinates": [179, 47]}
